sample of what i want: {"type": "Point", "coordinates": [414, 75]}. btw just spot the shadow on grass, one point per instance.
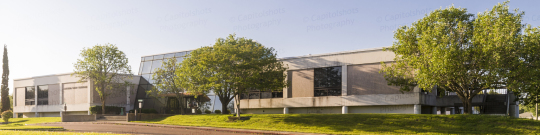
{"type": "Point", "coordinates": [404, 123]}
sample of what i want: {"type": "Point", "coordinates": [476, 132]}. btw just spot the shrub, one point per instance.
{"type": "Point", "coordinates": [227, 112]}
{"type": "Point", "coordinates": [198, 111]}
{"type": "Point", "coordinates": [217, 111]}
{"type": "Point", "coordinates": [144, 111]}
{"type": "Point", "coordinates": [207, 111]}
{"type": "Point", "coordinates": [6, 115]}
{"type": "Point", "coordinates": [108, 109]}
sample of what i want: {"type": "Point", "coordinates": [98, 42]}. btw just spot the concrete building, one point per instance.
{"type": "Point", "coordinates": [47, 96]}
{"type": "Point", "coordinates": [350, 82]}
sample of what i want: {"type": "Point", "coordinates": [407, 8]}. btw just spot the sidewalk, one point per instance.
{"type": "Point", "coordinates": [213, 129]}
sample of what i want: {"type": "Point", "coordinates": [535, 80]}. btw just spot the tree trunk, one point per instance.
{"type": "Point", "coordinates": [103, 106]}
{"type": "Point", "coordinates": [181, 103]}
{"type": "Point", "coordinates": [467, 106]}
{"type": "Point", "coordinates": [237, 99]}
{"type": "Point", "coordinates": [536, 108]}
{"type": "Point", "coordinates": [224, 106]}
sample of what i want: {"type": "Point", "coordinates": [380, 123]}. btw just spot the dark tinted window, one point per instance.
{"type": "Point", "coordinates": [327, 81]}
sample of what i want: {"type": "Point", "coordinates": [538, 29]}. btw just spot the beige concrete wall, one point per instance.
{"type": "Point", "coordinates": [302, 83]}
{"type": "Point", "coordinates": [19, 98]}
{"type": "Point", "coordinates": [54, 94]}
{"type": "Point", "coordinates": [263, 111]}
{"type": "Point", "coordinates": [75, 93]}
{"type": "Point", "coordinates": [307, 110]}
{"type": "Point", "coordinates": [328, 101]}
{"type": "Point", "coordinates": [338, 59]}
{"type": "Point", "coordinates": [404, 109]}
{"type": "Point", "coordinates": [49, 114]}
{"type": "Point", "coordinates": [365, 79]}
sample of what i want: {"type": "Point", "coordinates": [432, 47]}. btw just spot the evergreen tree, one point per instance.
{"type": "Point", "coordinates": [5, 90]}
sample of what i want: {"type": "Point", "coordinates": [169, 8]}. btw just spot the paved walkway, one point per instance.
{"type": "Point", "coordinates": [144, 128]}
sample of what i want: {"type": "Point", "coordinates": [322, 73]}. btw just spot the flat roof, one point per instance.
{"type": "Point", "coordinates": [334, 53]}
{"type": "Point", "coordinates": [49, 75]}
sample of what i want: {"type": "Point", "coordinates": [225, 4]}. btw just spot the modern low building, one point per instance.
{"type": "Point", "coordinates": [48, 96]}
{"type": "Point", "coordinates": [350, 82]}
{"type": "Point", "coordinates": [341, 82]}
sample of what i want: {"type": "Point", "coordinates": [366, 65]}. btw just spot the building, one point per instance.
{"type": "Point", "coordinates": [350, 82]}
{"type": "Point", "coordinates": [341, 82]}
{"type": "Point", "coordinates": [48, 96]}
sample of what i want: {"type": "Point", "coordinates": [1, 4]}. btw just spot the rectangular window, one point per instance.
{"type": "Point", "coordinates": [170, 55]}
{"type": "Point", "coordinates": [29, 95]}
{"type": "Point", "coordinates": [156, 64]}
{"type": "Point", "coordinates": [146, 67]}
{"type": "Point", "coordinates": [148, 58]}
{"type": "Point", "coordinates": [43, 95]}
{"type": "Point", "coordinates": [158, 57]}
{"type": "Point", "coordinates": [180, 54]}
{"type": "Point", "coordinates": [327, 81]}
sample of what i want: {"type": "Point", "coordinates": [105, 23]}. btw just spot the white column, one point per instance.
{"type": "Point", "coordinates": [286, 110]}
{"type": "Point", "coordinates": [344, 110]}
{"type": "Point", "coordinates": [61, 100]}
{"type": "Point", "coordinates": [344, 80]}
{"type": "Point", "coordinates": [417, 109]}
{"type": "Point", "coordinates": [90, 97]}
{"type": "Point", "coordinates": [36, 100]}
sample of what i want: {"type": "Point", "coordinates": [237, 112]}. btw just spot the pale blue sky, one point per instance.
{"type": "Point", "coordinates": [45, 37]}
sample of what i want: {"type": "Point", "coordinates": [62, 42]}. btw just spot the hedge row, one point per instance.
{"type": "Point", "coordinates": [108, 109]}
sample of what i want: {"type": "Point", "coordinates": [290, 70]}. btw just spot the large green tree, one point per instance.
{"type": "Point", "coordinates": [106, 67]}
{"type": "Point", "coordinates": [457, 51]}
{"type": "Point", "coordinates": [167, 82]}
{"type": "Point", "coordinates": [5, 77]}
{"type": "Point", "coordinates": [231, 67]}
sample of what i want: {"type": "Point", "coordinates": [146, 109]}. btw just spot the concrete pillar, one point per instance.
{"type": "Point", "coordinates": [344, 110]}
{"type": "Point", "coordinates": [453, 110]}
{"type": "Point", "coordinates": [417, 109]}
{"type": "Point", "coordinates": [36, 100]}
{"type": "Point", "coordinates": [344, 80]}
{"type": "Point", "coordinates": [286, 110]}
{"type": "Point", "coordinates": [90, 93]}
{"type": "Point", "coordinates": [128, 96]}
{"type": "Point", "coordinates": [434, 110]}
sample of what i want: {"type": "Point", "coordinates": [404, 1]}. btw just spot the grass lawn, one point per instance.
{"type": "Point", "coordinates": [364, 123]}
{"type": "Point", "coordinates": [20, 124]}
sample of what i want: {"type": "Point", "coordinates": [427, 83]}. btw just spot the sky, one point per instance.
{"type": "Point", "coordinates": [46, 37]}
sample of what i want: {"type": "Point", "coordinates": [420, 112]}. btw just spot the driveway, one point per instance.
{"type": "Point", "coordinates": [142, 128]}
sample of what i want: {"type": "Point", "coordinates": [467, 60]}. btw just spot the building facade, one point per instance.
{"type": "Point", "coordinates": [350, 82]}
{"type": "Point", "coordinates": [48, 96]}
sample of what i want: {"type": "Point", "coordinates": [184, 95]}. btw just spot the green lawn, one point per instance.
{"type": "Point", "coordinates": [20, 124]}
{"type": "Point", "coordinates": [364, 123]}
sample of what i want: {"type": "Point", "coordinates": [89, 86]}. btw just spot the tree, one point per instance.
{"type": "Point", "coordinates": [456, 51]}
{"type": "Point", "coordinates": [106, 67]}
{"type": "Point", "coordinates": [231, 67]}
{"type": "Point", "coordinates": [10, 103]}
{"type": "Point", "coordinates": [166, 82]}
{"type": "Point", "coordinates": [6, 115]}
{"type": "Point", "coordinates": [5, 78]}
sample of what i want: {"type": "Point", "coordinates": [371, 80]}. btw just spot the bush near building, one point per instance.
{"type": "Point", "coordinates": [207, 111]}
{"type": "Point", "coordinates": [217, 111]}
{"type": "Point", "coordinates": [6, 115]}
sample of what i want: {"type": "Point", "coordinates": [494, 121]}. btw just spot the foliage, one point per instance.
{"type": "Point", "coordinates": [109, 109]}
{"type": "Point", "coordinates": [198, 111]}
{"type": "Point", "coordinates": [106, 67]}
{"type": "Point", "coordinates": [10, 102]}
{"type": "Point", "coordinates": [456, 51]}
{"type": "Point", "coordinates": [21, 124]}
{"type": "Point", "coordinates": [6, 115]}
{"type": "Point", "coordinates": [526, 76]}
{"type": "Point", "coordinates": [232, 66]}
{"type": "Point", "coordinates": [144, 111]}
{"type": "Point", "coordinates": [4, 90]}
{"type": "Point", "coordinates": [207, 111]}
{"type": "Point", "coordinates": [167, 82]}
{"type": "Point", "coordinates": [364, 123]}
{"type": "Point", "coordinates": [217, 111]}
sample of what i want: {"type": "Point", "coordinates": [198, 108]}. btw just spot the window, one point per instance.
{"type": "Point", "coordinates": [255, 94]}
{"type": "Point", "coordinates": [181, 54]}
{"type": "Point", "coordinates": [156, 64]}
{"type": "Point", "coordinates": [147, 66]}
{"type": "Point", "coordinates": [148, 58]}
{"type": "Point", "coordinates": [158, 57]}
{"type": "Point", "coordinates": [29, 96]}
{"type": "Point", "coordinates": [327, 81]}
